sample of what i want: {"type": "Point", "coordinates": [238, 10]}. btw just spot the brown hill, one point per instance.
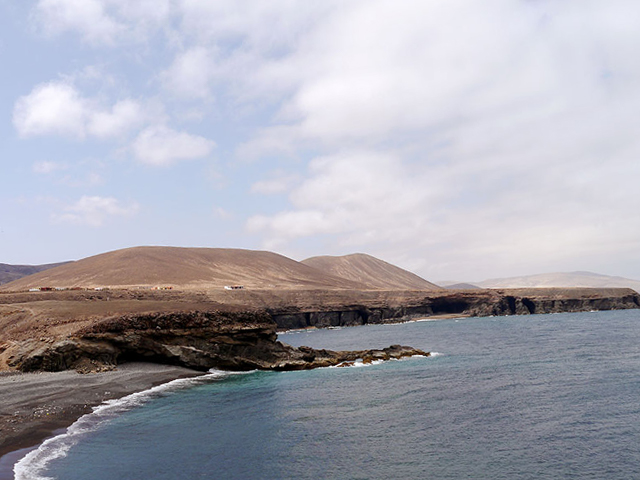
{"type": "Point", "coordinates": [185, 268]}
{"type": "Point", "coordinates": [9, 273]}
{"type": "Point", "coordinates": [370, 271]}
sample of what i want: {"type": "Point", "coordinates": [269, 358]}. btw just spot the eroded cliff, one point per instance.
{"type": "Point", "coordinates": [196, 339]}
{"type": "Point", "coordinates": [92, 331]}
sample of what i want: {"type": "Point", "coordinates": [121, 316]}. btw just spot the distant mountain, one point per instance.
{"type": "Point", "coordinates": [9, 273]}
{"type": "Point", "coordinates": [562, 279]}
{"type": "Point", "coordinates": [462, 286]}
{"type": "Point", "coordinates": [370, 271]}
{"type": "Point", "coordinates": [185, 267]}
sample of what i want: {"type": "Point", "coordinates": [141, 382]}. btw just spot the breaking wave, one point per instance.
{"type": "Point", "coordinates": [34, 465]}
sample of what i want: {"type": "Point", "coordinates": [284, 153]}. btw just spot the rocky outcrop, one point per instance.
{"type": "Point", "coordinates": [469, 303]}
{"type": "Point", "coordinates": [196, 339]}
{"type": "Point", "coordinates": [92, 331]}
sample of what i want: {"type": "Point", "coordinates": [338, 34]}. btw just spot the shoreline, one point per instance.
{"type": "Point", "coordinates": [37, 406]}
{"type": "Point", "coordinates": [413, 319]}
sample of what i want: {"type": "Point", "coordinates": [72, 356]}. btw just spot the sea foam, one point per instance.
{"type": "Point", "coordinates": [34, 465]}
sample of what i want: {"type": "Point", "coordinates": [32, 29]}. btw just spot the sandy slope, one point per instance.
{"type": "Point", "coordinates": [186, 268]}
{"type": "Point", "coordinates": [370, 271]}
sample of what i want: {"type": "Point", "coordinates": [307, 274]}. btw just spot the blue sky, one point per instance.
{"type": "Point", "coordinates": [459, 139]}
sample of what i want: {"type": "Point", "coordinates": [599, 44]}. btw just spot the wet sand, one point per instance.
{"type": "Point", "coordinates": [35, 405]}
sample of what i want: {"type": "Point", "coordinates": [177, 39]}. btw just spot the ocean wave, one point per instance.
{"type": "Point", "coordinates": [34, 465]}
{"type": "Point", "coordinates": [359, 363]}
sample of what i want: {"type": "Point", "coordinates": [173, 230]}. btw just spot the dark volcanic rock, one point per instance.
{"type": "Point", "coordinates": [480, 303]}
{"type": "Point", "coordinates": [198, 340]}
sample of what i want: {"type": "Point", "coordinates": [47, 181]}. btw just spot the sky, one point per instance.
{"type": "Point", "coordinates": [461, 140]}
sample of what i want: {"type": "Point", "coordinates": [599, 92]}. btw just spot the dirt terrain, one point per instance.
{"type": "Point", "coordinates": [370, 272]}
{"type": "Point", "coordinates": [187, 268]}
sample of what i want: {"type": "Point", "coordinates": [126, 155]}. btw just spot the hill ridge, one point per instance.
{"type": "Point", "coordinates": [201, 267]}
{"type": "Point", "coordinates": [369, 270]}
{"type": "Point", "coordinates": [9, 273]}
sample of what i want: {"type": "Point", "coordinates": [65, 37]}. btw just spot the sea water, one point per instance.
{"type": "Point", "coordinates": [521, 397]}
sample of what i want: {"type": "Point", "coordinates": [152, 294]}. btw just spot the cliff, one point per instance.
{"type": "Point", "coordinates": [477, 303]}
{"type": "Point", "coordinates": [198, 339]}
{"type": "Point", "coordinates": [93, 331]}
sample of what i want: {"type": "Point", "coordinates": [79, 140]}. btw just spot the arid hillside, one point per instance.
{"type": "Point", "coordinates": [370, 271]}
{"type": "Point", "coordinates": [9, 273]}
{"type": "Point", "coordinates": [199, 268]}
{"type": "Point", "coordinates": [214, 268]}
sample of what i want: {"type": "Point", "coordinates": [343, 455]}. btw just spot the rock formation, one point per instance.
{"type": "Point", "coordinates": [327, 311]}
{"type": "Point", "coordinates": [196, 339]}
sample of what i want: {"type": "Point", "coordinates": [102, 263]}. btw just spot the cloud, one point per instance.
{"type": "Point", "coordinates": [357, 194]}
{"type": "Point", "coordinates": [87, 16]}
{"type": "Point", "coordinates": [280, 183]}
{"type": "Point", "coordinates": [162, 146]}
{"type": "Point", "coordinates": [124, 116]}
{"type": "Point", "coordinates": [453, 137]}
{"type": "Point", "coordinates": [191, 74]}
{"type": "Point", "coordinates": [58, 108]}
{"type": "Point", "coordinates": [102, 22]}
{"type": "Point", "coordinates": [46, 167]}
{"type": "Point", "coordinates": [51, 108]}
{"type": "Point", "coordinates": [503, 130]}
{"type": "Point", "coordinates": [93, 211]}
{"type": "Point", "coordinates": [222, 213]}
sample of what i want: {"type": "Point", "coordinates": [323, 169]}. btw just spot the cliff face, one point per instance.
{"type": "Point", "coordinates": [198, 340]}
{"type": "Point", "coordinates": [92, 331]}
{"type": "Point", "coordinates": [469, 303]}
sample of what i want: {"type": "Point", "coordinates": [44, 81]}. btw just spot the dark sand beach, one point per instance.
{"type": "Point", "coordinates": [35, 405]}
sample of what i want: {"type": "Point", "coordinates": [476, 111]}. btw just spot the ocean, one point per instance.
{"type": "Point", "coordinates": [520, 397]}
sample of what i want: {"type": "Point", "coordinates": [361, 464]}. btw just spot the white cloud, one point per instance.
{"type": "Point", "coordinates": [162, 146]}
{"type": "Point", "coordinates": [51, 108]}
{"type": "Point", "coordinates": [46, 167]}
{"type": "Point", "coordinates": [352, 194]}
{"type": "Point", "coordinates": [58, 108]}
{"type": "Point", "coordinates": [93, 211]}
{"type": "Point", "coordinates": [456, 137]}
{"type": "Point", "coordinates": [103, 22]}
{"type": "Point", "coordinates": [501, 123]}
{"type": "Point", "coordinates": [222, 213]}
{"type": "Point", "coordinates": [280, 183]}
{"type": "Point", "coordinates": [124, 116]}
{"type": "Point", "coordinates": [87, 16]}
{"type": "Point", "coordinates": [190, 74]}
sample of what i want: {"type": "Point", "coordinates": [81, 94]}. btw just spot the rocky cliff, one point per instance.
{"type": "Point", "coordinates": [463, 303]}
{"type": "Point", "coordinates": [92, 331]}
{"type": "Point", "coordinates": [196, 339]}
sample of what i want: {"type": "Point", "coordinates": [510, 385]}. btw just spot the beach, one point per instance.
{"type": "Point", "coordinates": [35, 405]}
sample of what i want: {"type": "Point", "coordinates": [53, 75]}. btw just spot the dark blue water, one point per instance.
{"type": "Point", "coordinates": [541, 396]}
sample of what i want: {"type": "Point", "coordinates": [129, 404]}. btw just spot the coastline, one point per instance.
{"type": "Point", "coordinates": [35, 406]}
{"type": "Point", "coordinates": [416, 318]}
